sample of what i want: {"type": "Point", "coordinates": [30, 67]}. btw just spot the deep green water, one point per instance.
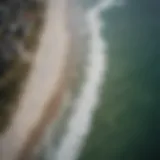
{"type": "Point", "coordinates": [126, 124]}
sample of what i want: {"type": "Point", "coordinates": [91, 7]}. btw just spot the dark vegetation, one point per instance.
{"type": "Point", "coordinates": [20, 22]}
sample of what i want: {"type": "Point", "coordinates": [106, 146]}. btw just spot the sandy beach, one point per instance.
{"type": "Point", "coordinates": [44, 84]}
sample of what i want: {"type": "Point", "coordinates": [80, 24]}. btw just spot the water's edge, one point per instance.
{"type": "Point", "coordinates": [80, 122]}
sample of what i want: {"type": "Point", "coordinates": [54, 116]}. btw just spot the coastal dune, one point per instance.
{"type": "Point", "coordinates": [42, 83]}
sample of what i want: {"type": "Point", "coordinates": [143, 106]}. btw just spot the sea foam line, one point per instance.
{"type": "Point", "coordinates": [80, 121]}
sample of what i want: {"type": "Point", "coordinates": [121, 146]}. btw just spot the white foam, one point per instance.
{"type": "Point", "coordinates": [80, 122]}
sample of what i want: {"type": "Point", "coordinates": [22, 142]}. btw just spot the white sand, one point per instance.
{"type": "Point", "coordinates": [42, 82]}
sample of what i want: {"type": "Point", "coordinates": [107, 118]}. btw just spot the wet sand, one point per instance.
{"type": "Point", "coordinates": [45, 81]}
{"type": "Point", "coordinates": [78, 57]}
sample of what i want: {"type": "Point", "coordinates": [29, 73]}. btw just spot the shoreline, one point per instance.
{"type": "Point", "coordinates": [78, 50]}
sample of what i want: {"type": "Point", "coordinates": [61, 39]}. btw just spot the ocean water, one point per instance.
{"type": "Point", "coordinates": [126, 123]}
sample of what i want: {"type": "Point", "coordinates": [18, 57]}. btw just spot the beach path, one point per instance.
{"type": "Point", "coordinates": [42, 82]}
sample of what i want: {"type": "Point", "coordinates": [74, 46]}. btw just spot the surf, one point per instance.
{"type": "Point", "coordinates": [80, 122]}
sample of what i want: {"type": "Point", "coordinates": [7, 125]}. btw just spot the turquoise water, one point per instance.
{"type": "Point", "coordinates": [126, 123]}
